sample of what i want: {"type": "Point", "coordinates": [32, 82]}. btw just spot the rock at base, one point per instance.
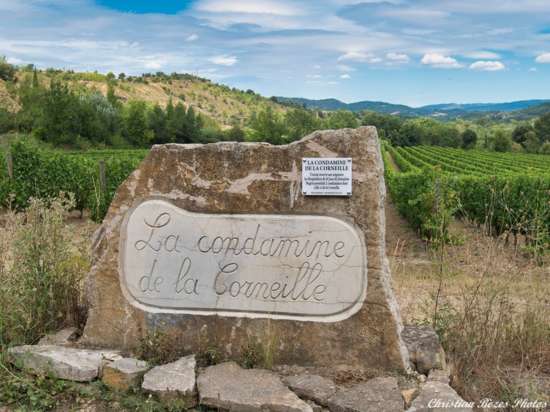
{"type": "Point", "coordinates": [378, 394]}
{"type": "Point", "coordinates": [439, 375]}
{"type": "Point", "coordinates": [72, 364]}
{"type": "Point", "coordinates": [173, 380]}
{"type": "Point", "coordinates": [61, 338]}
{"type": "Point", "coordinates": [425, 350]}
{"type": "Point", "coordinates": [438, 396]}
{"type": "Point", "coordinates": [311, 387]}
{"type": "Point", "coordinates": [230, 387]}
{"type": "Point", "coordinates": [124, 374]}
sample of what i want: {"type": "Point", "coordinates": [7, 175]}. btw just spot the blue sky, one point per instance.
{"type": "Point", "coordinates": [413, 52]}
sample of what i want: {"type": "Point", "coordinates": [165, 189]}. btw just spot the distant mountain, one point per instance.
{"type": "Point", "coordinates": [445, 110]}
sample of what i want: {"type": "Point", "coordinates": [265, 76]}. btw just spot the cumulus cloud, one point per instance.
{"type": "Point", "coordinates": [482, 54]}
{"type": "Point", "coordinates": [440, 61]}
{"type": "Point", "coordinates": [223, 60]}
{"type": "Point", "coordinates": [397, 57]}
{"type": "Point", "coordinates": [360, 57]}
{"type": "Point", "coordinates": [192, 37]}
{"type": "Point", "coordinates": [487, 66]}
{"type": "Point", "coordinates": [345, 76]}
{"type": "Point", "coordinates": [543, 58]}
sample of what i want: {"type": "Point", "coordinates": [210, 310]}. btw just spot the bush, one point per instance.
{"type": "Point", "coordinates": [40, 272]}
{"type": "Point", "coordinates": [501, 142]}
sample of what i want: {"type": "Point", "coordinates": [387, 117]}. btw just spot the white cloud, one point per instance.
{"type": "Point", "coordinates": [440, 61]}
{"type": "Point", "coordinates": [487, 66]}
{"type": "Point", "coordinates": [223, 60]}
{"type": "Point", "coordinates": [153, 65]}
{"type": "Point", "coordinates": [359, 56]}
{"type": "Point", "coordinates": [482, 54]}
{"type": "Point", "coordinates": [345, 68]}
{"type": "Point", "coordinates": [397, 57]}
{"type": "Point", "coordinates": [543, 58]}
{"type": "Point", "coordinates": [345, 76]}
{"type": "Point", "coordinates": [279, 8]}
{"type": "Point", "coordinates": [533, 69]}
{"type": "Point", "coordinates": [192, 37]}
{"type": "Point", "coordinates": [314, 76]}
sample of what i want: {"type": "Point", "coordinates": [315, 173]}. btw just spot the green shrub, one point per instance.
{"type": "Point", "coordinates": [40, 272]}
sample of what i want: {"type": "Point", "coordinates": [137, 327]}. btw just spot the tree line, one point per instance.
{"type": "Point", "coordinates": [62, 113]}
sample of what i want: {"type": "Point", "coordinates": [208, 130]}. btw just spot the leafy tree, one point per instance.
{"type": "Point", "coordinates": [135, 121]}
{"type": "Point", "coordinates": [387, 125]}
{"type": "Point", "coordinates": [519, 135]}
{"type": "Point", "coordinates": [469, 139]}
{"type": "Point", "coordinates": [531, 142]}
{"type": "Point", "coordinates": [156, 121]}
{"type": "Point", "coordinates": [235, 134]}
{"type": "Point", "coordinates": [267, 127]}
{"type": "Point", "coordinates": [7, 70]}
{"type": "Point", "coordinates": [545, 148]}
{"type": "Point", "coordinates": [501, 142]}
{"type": "Point", "coordinates": [111, 96]}
{"type": "Point", "coordinates": [542, 128]}
{"type": "Point", "coordinates": [121, 76]}
{"type": "Point", "coordinates": [300, 122]}
{"type": "Point", "coordinates": [59, 122]}
{"type": "Point", "coordinates": [341, 119]}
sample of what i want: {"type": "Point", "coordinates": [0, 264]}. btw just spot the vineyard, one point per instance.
{"type": "Point", "coordinates": [92, 177]}
{"type": "Point", "coordinates": [504, 192]}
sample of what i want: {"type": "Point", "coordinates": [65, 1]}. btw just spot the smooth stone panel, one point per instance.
{"type": "Point", "coordinates": [274, 266]}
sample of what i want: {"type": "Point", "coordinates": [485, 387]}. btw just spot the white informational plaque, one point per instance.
{"type": "Point", "coordinates": [326, 176]}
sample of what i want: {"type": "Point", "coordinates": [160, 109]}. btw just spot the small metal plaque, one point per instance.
{"type": "Point", "coordinates": [326, 176]}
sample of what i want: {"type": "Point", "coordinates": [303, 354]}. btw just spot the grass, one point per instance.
{"type": "Point", "coordinates": [490, 307]}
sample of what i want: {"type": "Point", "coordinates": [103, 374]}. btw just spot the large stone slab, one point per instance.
{"type": "Point", "coordinates": [378, 394]}
{"type": "Point", "coordinates": [439, 396]}
{"type": "Point", "coordinates": [230, 387]}
{"type": "Point", "coordinates": [175, 380]}
{"type": "Point", "coordinates": [425, 350]}
{"type": "Point", "coordinates": [124, 373]}
{"type": "Point", "coordinates": [216, 246]}
{"type": "Point", "coordinates": [79, 365]}
{"type": "Point", "coordinates": [311, 387]}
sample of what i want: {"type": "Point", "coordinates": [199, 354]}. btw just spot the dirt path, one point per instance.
{"type": "Point", "coordinates": [393, 165]}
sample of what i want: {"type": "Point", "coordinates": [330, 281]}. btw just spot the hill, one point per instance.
{"type": "Point", "coordinates": [225, 105]}
{"type": "Point", "coordinates": [444, 110]}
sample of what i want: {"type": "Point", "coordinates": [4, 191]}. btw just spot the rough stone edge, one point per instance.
{"type": "Point", "coordinates": [385, 279]}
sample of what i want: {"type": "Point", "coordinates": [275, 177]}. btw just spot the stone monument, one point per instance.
{"type": "Point", "coordinates": [230, 244]}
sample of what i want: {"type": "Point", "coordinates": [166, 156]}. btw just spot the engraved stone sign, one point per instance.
{"type": "Point", "coordinates": [323, 176]}
{"type": "Point", "coordinates": [216, 247]}
{"type": "Point", "coordinates": [277, 266]}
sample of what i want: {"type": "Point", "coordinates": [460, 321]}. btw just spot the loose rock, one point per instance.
{"type": "Point", "coordinates": [378, 394]}
{"type": "Point", "coordinates": [230, 387]}
{"type": "Point", "coordinates": [439, 375]}
{"type": "Point", "coordinates": [311, 387]}
{"type": "Point", "coordinates": [63, 337]}
{"type": "Point", "coordinates": [78, 365]}
{"type": "Point", "coordinates": [425, 351]}
{"type": "Point", "coordinates": [173, 380]}
{"type": "Point", "coordinates": [124, 374]}
{"type": "Point", "coordinates": [438, 396]}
